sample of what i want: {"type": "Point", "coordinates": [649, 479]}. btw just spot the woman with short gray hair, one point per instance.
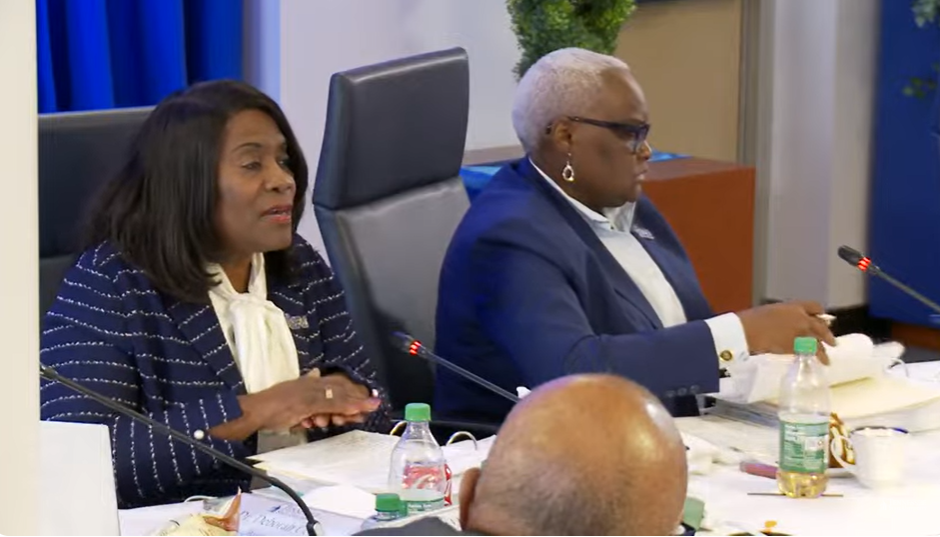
{"type": "Point", "coordinates": [561, 266]}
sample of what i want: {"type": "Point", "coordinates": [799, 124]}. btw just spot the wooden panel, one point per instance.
{"type": "Point", "coordinates": [710, 205]}
{"type": "Point", "coordinates": [916, 336]}
{"type": "Point", "coordinates": [687, 57]}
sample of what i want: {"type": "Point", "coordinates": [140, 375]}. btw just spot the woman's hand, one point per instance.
{"type": "Point", "coordinates": [324, 420]}
{"type": "Point", "coordinates": [772, 328]}
{"type": "Point", "coordinates": [294, 402]}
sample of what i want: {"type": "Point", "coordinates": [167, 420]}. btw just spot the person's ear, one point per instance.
{"type": "Point", "coordinates": [560, 135]}
{"type": "Point", "coordinates": [468, 490]}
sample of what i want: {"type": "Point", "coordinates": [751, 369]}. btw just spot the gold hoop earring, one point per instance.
{"type": "Point", "coordinates": [567, 173]}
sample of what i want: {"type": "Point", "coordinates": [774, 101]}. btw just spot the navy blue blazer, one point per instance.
{"type": "Point", "coordinates": [111, 330]}
{"type": "Point", "coordinates": [528, 293]}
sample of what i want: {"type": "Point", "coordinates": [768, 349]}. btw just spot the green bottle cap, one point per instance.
{"type": "Point", "coordinates": [417, 412]}
{"type": "Point", "coordinates": [387, 503]}
{"type": "Point", "coordinates": [805, 345]}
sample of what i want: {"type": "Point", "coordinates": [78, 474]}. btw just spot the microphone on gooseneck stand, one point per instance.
{"type": "Point", "coordinates": [415, 348]}
{"type": "Point", "coordinates": [864, 264]}
{"type": "Point", "coordinates": [48, 373]}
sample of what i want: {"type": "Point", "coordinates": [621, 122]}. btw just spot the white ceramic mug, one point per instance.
{"type": "Point", "coordinates": [880, 455]}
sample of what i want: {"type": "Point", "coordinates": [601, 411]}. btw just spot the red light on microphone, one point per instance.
{"type": "Point", "coordinates": [863, 264]}
{"type": "Point", "coordinates": [414, 347]}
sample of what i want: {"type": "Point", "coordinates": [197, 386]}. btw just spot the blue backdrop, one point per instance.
{"type": "Point", "coordinates": [905, 194]}
{"type": "Point", "coordinates": [95, 54]}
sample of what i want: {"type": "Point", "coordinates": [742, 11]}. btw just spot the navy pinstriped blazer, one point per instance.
{"type": "Point", "coordinates": [112, 331]}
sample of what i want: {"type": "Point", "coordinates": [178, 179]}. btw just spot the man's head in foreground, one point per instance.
{"type": "Point", "coordinates": [581, 455]}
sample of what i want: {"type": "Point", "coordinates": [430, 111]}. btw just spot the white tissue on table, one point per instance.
{"type": "Point", "coordinates": [701, 455]}
{"type": "Point", "coordinates": [757, 378]}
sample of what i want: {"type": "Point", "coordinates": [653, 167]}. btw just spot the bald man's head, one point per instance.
{"type": "Point", "coordinates": [582, 455]}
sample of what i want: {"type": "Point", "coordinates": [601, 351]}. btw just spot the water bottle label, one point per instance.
{"type": "Point", "coordinates": [803, 447]}
{"type": "Point", "coordinates": [423, 488]}
{"type": "Point", "coordinates": [424, 506]}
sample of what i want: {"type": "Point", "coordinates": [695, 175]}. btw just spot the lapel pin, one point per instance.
{"type": "Point", "coordinates": [643, 233]}
{"type": "Point", "coordinates": [298, 322]}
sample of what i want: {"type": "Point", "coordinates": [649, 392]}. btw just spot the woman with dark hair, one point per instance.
{"type": "Point", "coordinates": [196, 303]}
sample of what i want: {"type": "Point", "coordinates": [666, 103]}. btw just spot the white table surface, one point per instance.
{"type": "Point", "coordinates": [913, 509]}
{"type": "Point", "coordinates": [909, 510]}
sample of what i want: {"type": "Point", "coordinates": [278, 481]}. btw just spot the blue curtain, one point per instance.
{"type": "Point", "coordinates": [95, 54]}
{"type": "Point", "coordinates": [935, 110]}
{"type": "Point", "coordinates": [905, 191]}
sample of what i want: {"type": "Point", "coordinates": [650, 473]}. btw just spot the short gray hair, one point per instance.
{"type": "Point", "coordinates": [561, 83]}
{"type": "Point", "coordinates": [553, 502]}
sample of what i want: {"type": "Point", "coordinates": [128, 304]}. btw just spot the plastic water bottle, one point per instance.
{"type": "Point", "coordinates": [388, 507]}
{"type": "Point", "coordinates": [804, 424]}
{"type": "Point", "coordinates": [417, 472]}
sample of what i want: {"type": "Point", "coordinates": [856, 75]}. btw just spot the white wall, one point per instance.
{"type": "Point", "coordinates": [261, 49]}
{"type": "Point", "coordinates": [318, 38]}
{"type": "Point", "coordinates": [814, 151]}
{"type": "Point", "coordinates": [19, 279]}
{"type": "Point", "coordinates": [814, 108]}
{"type": "Point", "coordinates": [856, 52]}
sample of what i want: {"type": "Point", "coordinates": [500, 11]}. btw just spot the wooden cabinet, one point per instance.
{"type": "Point", "coordinates": [710, 205]}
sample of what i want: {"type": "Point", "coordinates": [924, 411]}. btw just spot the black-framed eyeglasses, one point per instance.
{"type": "Point", "coordinates": [636, 133]}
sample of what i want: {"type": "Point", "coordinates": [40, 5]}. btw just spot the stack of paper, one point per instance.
{"type": "Point", "coordinates": [358, 459]}
{"type": "Point", "coordinates": [885, 400]}
{"type": "Point", "coordinates": [355, 458]}
{"type": "Point", "coordinates": [889, 401]}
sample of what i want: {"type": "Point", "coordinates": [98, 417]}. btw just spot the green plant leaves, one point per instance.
{"type": "Point", "coordinates": [543, 26]}
{"type": "Point", "coordinates": [925, 11]}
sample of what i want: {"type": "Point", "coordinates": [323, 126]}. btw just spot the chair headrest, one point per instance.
{"type": "Point", "coordinates": [392, 127]}
{"type": "Point", "coordinates": [78, 153]}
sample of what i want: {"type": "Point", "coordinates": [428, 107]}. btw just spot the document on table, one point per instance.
{"type": "Point", "coordinates": [146, 520]}
{"type": "Point", "coordinates": [359, 459]}
{"type": "Point", "coordinates": [342, 500]}
{"type": "Point", "coordinates": [355, 458]}
{"type": "Point", "coordinates": [263, 516]}
{"type": "Point", "coordinates": [271, 523]}
{"type": "Point", "coordinates": [869, 397]}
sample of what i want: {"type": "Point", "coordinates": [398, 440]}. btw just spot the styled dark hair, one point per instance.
{"type": "Point", "coordinates": [159, 211]}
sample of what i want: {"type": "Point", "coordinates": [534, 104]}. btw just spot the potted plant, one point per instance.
{"type": "Point", "coordinates": [542, 26]}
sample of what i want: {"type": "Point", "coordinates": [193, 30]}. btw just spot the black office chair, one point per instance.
{"type": "Point", "coordinates": [78, 152]}
{"type": "Point", "coordinates": [388, 198]}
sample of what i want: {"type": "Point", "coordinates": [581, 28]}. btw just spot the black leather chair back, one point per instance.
{"type": "Point", "coordinates": [78, 153]}
{"type": "Point", "coordinates": [388, 198]}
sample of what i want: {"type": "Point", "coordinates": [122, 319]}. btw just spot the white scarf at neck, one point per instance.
{"type": "Point", "coordinates": [256, 330]}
